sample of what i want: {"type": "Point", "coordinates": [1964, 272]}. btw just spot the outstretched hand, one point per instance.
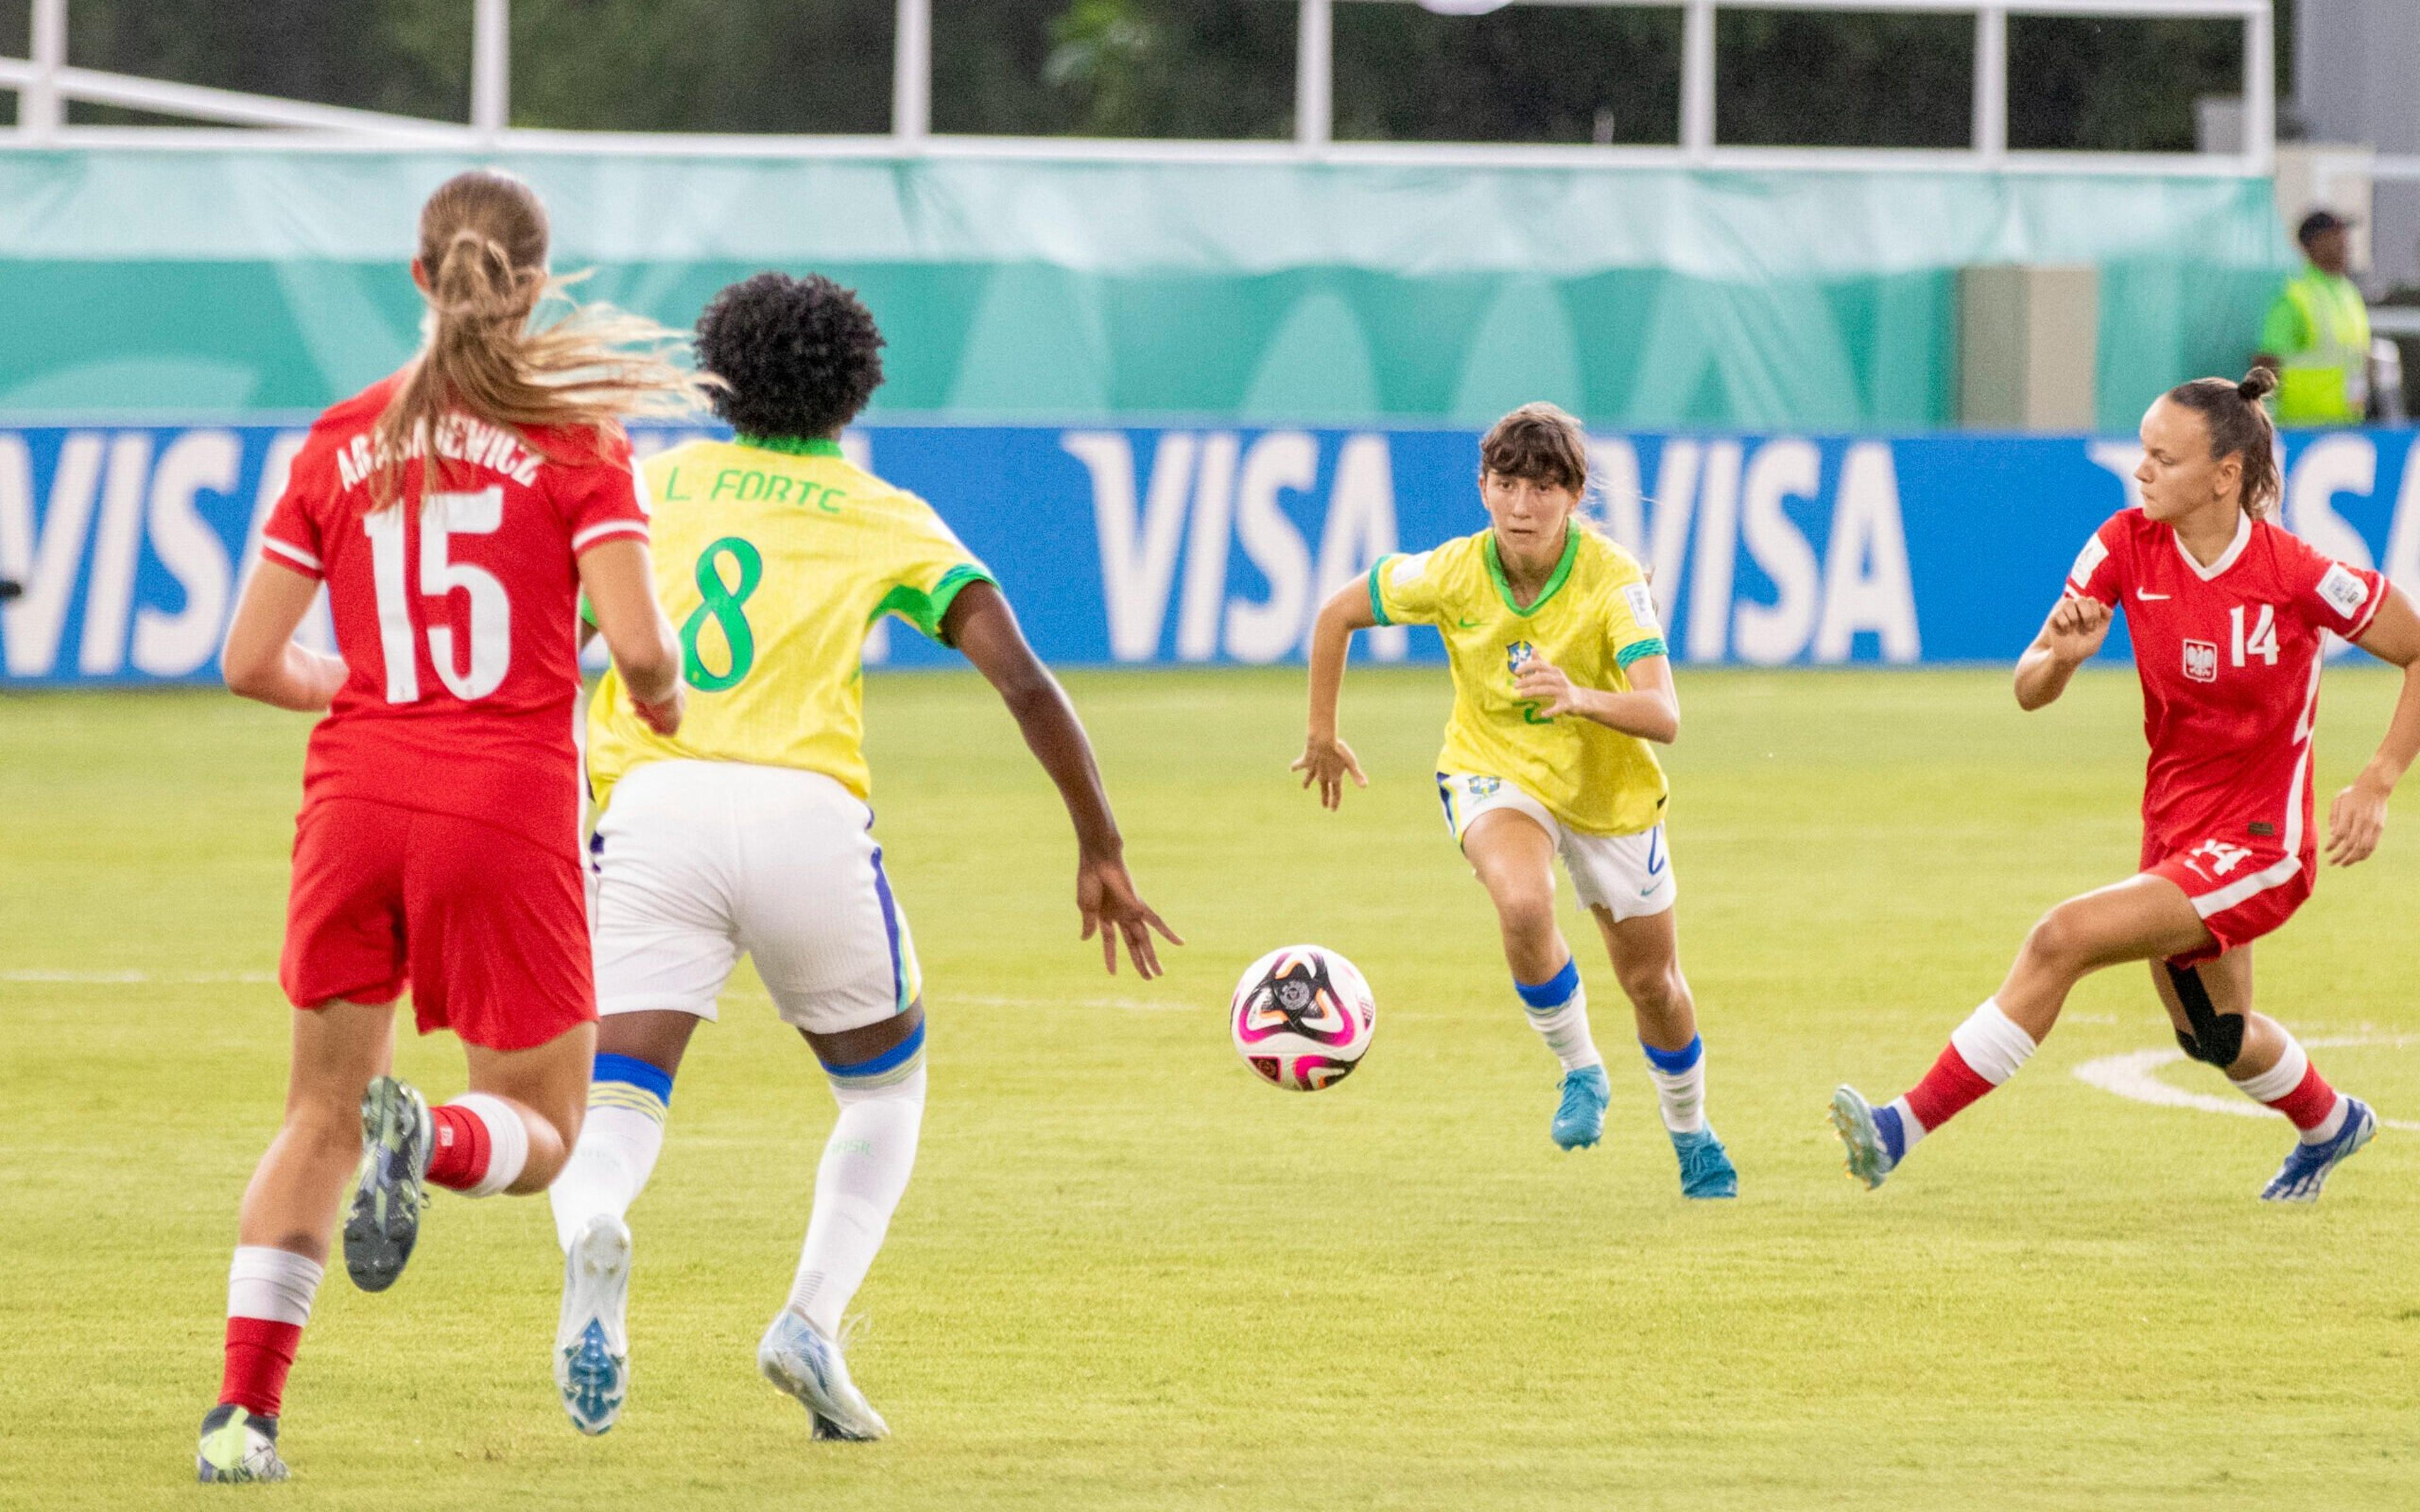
{"type": "Point", "coordinates": [1106, 896]}
{"type": "Point", "coordinates": [1328, 761]}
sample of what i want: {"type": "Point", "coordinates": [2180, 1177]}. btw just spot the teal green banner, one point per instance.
{"type": "Point", "coordinates": [158, 283]}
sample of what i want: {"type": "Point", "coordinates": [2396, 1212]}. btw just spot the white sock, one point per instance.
{"type": "Point", "coordinates": [272, 1284]}
{"type": "Point", "coordinates": [1990, 1044]}
{"type": "Point", "coordinates": [629, 1099]}
{"type": "Point", "coordinates": [1558, 1010]}
{"type": "Point", "coordinates": [864, 1173]}
{"type": "Point", "coordinates": [2281, 1078]}
{"type": "Point", "coordinates": [507, 1141]}
{"type": "Point", "coordinates": [1910, 1131]}
{"type": "Point", "coordinates": [1680, 1077]}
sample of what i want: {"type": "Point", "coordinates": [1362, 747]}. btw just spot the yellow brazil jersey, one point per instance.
{"type": "Point", "coordinates": [1594, 618]}
{"type": "Point", "coordinates": [773, 560]}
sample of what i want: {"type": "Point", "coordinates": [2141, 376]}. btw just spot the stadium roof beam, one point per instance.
{"type": "Point", "coordinates": [45, 84]}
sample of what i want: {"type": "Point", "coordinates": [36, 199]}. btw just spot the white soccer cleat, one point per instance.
{"type": "Point", "coordinates": [592, 1344]}
{"type": "Point", "coordinates": [799, 1358]}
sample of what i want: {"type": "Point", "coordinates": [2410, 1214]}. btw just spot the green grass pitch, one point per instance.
{"type": "Point", "coordinates": [1130, 1274]}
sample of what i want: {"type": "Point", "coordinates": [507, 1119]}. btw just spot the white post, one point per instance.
{"type": "Point", "coordinates": [2260, 91]}
{"type": "Point", "coordinates": [1314, 75]}
{"type": "Point", "coordinates": [492, 67]}
{"type": "Point", "coordinates": [911, 73]}
{"type": "Point", "coordinates": [41, 113]}
{"type": "Point", "coordinates": [1992, 83]}
{"type": "Point", "coordinates": [1697, 79]}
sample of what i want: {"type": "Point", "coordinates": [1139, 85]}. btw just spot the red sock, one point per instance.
{"type": "Point", "coordinates": [259, 1354]}
{"type": "Point", "coordinates": [2311, 1100]}
{"type": "Point", "coordinates": [1947, 1088]}
{"type": "Point", "coordinates": [460, 1157]}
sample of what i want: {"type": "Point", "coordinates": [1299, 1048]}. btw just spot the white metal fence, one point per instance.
{"type": "Point", "coordinates": [45, 83]}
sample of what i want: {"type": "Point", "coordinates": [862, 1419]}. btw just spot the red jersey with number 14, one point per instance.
{"type": "Point", "coordinates": [2229, 659]}
{"type": "Point", "coordinates": [456, 613]}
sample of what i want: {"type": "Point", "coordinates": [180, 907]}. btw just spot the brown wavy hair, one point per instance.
{"type": "Point", "coordinates": [483, 250]}
{"type": "Point", "coordinates": [1539, 442]}
{"type": "Point", "coordinates": [2239, 426]}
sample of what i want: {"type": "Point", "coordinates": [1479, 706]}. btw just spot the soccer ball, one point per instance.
{"type": "Point", "coordinates": [1302, 1018]}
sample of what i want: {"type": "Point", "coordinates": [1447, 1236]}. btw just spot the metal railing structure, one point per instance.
{"type": "Point", "coordinates": [45, 83]}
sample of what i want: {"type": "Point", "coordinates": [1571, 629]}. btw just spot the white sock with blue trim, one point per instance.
{"type": "Point", "coordinates": [1680, 1077]}
{"type": "Point", "coordinates": [864, 1172]}
{"type": "Point", "coordinates": [1558, 1010]}
{"type": "Point", "coordinates": [629, 1099]}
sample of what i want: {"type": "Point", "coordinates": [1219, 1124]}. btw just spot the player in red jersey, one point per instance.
{"type": "Point", "coordinates": [455, 511]}
{"type": "Point", "coordinates": [2228, 615]}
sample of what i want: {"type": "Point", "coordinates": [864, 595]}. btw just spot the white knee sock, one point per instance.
{"type": "Point", "coordinates": [1558, 1010]}
{"type": "Point", "coordinates": [865, 1171]}
{"type": "Point", "coordinates": [1680, 1077]}
{"type": "Point", "coordinates": [619, 1140]}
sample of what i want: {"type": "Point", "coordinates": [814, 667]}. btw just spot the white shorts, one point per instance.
{"type": "Point", "coordinates": [1630, 876]}
{"type": "Point", "coordinates": [697, 861]}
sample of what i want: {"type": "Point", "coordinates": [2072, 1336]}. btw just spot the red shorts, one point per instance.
{"type": "Point", "coordinates": [490, 930]}
{"type": "Point", "coordinates": [2241, 892]}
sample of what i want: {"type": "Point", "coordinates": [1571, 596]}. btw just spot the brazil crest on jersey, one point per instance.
{"type": "Point", "coordinates": [773, 560]}
{"type": "Point", "coordinates": [1594, 618]}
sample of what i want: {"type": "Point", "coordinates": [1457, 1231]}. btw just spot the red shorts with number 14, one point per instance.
{"type": "Point", "coordinates": [488, 929]}
{"type": "Point", "coordinates": [2241, 892]}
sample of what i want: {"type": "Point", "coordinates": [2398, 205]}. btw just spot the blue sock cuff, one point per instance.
{"type": "Point", "coordinates": [1673, 1062]}
{"type": "Point", "coordinates": [877, 1066]}
{"type": "Point", "coordinates": [639, 1074]}
{"type": "Point", "coordinates": [1886, 1123]}
{"type": "Point", "coordinates": [1553, 994]}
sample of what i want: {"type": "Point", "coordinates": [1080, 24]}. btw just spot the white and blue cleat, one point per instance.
{"type": "Point", "coordinates": [1579, 1117]}
{"type": "Point", "coordinates": [237, 1446]}
{"type": "Point", "coordinates": [1852, 1119]}
{"type": "Point", "coordinates": [803, 1360]}
{"type": "Point", "coordinates": [591, 1343]}
{"type": "Point", "coordinates": [2308, 1167]}
{"type": "Point", "coordinates": [1706, 1168]}
{"type": "Point", "coordinates": [383, 1223]}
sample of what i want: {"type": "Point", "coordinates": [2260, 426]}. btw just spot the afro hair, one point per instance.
{"type": "Point", "coordinates": [800, 355]}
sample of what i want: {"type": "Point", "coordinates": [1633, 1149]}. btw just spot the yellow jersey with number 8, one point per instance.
{"type": "Point", "coordinates": [1595, 617]}
{"type": "Point", "coordinates": [773, 560]}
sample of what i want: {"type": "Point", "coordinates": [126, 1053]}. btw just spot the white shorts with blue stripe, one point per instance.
{"type": "Point", "coordinates": [1629, 876]}
{"type": "Point", "coordinates": [695, 862]}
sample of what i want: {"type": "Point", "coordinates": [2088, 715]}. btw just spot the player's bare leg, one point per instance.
{"type": "Point", "coordinates": [1646, 955]}
{"type": "Point", "coordinates": [2211, 1006]}
{"type": "Point", "coordinates": [630, 1098]}
{"type": "Point", "coordinates": [1514, 860]}
{"type": "Point", "coordinates": [2144, 917]}
{"type": "Point", "coordinates": [877, 1076]}
{"type": "Point", "coordinates": [282, 1232]}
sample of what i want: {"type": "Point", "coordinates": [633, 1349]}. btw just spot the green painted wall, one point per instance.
{"type": "Point", "coordinates": [172, 281]}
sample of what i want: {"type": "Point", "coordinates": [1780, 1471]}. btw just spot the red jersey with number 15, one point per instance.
{"type": "Point", "coordinates": [456, 615]}
{"type": "Point", "coordinates": [2229, 658]}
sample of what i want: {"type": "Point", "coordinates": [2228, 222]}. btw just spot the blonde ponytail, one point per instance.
{"type": "Point", "coordinates": [483, 246]}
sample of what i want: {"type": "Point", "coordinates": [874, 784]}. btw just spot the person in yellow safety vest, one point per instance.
{"type": "Point", "coordinates": [2316, 335]}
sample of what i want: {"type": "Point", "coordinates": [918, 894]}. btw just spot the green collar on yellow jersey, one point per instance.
{"type": "Point", "coordinates": [794, 445]}
{"type": "Point", "coordinates": [1555, 580]}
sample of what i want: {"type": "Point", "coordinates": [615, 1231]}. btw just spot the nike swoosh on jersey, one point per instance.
{"type": "Point", "coordinates": [1467, 624]}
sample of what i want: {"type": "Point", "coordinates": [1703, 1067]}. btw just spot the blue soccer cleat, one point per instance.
{"type": "Point", "coordinates": [2308, 1167]}
{"type": "Point", "coordinates": [385, 1222]}
{"type": "Point", "coordinates": [1853, 1118]}
{"type": "Point", "coordinates": [237, 1446]}
{"type": "Point", "coordinates": [1579, 1119]}
{"type": "Point", "coordinates": [799, 1358]}
{"type": "Point", "coordinates": [591, 1348]}
{"type": "Point", "coordinates": [1706, 1168]}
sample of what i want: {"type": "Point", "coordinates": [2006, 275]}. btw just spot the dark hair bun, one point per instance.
{"type": "Point", "coordinates": [2257, 384]}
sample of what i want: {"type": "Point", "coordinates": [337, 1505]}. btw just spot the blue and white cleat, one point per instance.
{"type": "Point", "coordinates": [388, 1196]}
{"type": "Point", "coordinates": [2308, 1167]}
{"type": "Point", "coordinates": [1579, 1119]}
{"type": "Point", "coordinates": [591, 1344]}
{"type": "Point", "coordinates": [237, 1446]}
{"type": "Point", "coordinates": [1853, 1118]}
{"type": "Point", "coordinates": [797, 1356]}
{"type": "Point", "coordinates": [1706, 1168]}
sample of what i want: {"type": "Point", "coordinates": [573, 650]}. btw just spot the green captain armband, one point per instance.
{"type": "Point", "coordinates": [1377, 602]}
{"type": "Point", "coordinates": [1640, 649]}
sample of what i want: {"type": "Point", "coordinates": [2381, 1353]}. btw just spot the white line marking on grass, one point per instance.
{"type": "Point", "coordinates": [946, 999]}
{"type": "Point", "coordinates": [137, 979]}
{"type": "Point", "coordinates": [2135, 1077]}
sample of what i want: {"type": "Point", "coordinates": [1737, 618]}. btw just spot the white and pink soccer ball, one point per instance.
{"type": "Point", "coordinates": [1302, 1018]}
